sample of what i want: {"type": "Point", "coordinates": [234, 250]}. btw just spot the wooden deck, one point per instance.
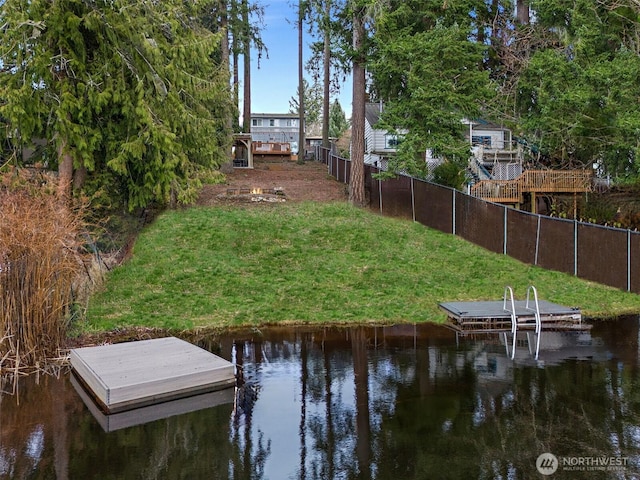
{"type": "Point", "coordinates": [130, 375]}
{"type": "Point", "coordinates": [491, 317]}
{"type": "Point", "coordinates": [533, 181]}
{"type": "Point", "coordinates": [271, 148]}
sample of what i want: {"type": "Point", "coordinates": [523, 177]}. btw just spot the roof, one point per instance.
{"type": "Point", "coordinates": [482, 124]}
{"type": "Point", "coordinates": [275, 115]}
{"type": "Point", "coordinates": [372, 112]}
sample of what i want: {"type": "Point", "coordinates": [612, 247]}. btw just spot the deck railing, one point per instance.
{"type": "Point", "coordinates": [550, 181]}
{"type": "Point", "coordinates": [556, 181]}
{"type": "Point", "coordinates": [500, 191]}
{"type": "Point", "coordinates": [271, 148]}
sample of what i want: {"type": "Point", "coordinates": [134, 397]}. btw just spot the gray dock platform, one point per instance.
{"type": "Point", "coordinates": [130, 375]}
{"type": "Point", "coordinates": [151, 413]}
{"type": "Point", "coordinates": [490, 316]}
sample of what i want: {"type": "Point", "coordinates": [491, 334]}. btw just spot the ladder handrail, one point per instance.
{"type": "Point", "coordinates": [509, 290]}
{"type": "Point", "coordinates": [514, 316]}
{"type": "Point", "coordinates": [537, 315]}
{"type": "Point", "coordinates": [536, 310]}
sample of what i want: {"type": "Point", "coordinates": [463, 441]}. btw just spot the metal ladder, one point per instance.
{"type": "Point", "coordinates": [531, 305]}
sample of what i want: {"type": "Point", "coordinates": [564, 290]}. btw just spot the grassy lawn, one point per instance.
{"type": "Point", "coordinates": [314, 263]}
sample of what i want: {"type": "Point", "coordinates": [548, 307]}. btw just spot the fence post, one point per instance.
{"type": "Point", "coordinates": [535, 260]}
{"type": "Point", "coordinates": [575, 248]}
{"type": "Point", "coordinates": [380, 194]}
{"type": "Point", "coordinates": [453, 212]}
{"type": "Point", "coordinates": [413, 202]}
{"type": "Point", "coordinates": [628, 260]}
{"type": "Point", "coordinates": [504, 240]}
{"type": "Point", "coordinates": [346, 180]}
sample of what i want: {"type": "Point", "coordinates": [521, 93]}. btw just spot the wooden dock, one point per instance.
{"type": "Point", "coordinates": [151, 413]}
{"type": "Point", "coordinates": [492, 317]}
{"type": "Point", "coordinates": [130, 375]}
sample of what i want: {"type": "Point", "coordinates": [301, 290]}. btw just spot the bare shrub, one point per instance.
{"type": "Point", "coordinates": [40, 261]}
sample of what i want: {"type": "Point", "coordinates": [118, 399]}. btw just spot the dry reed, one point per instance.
{"type": "Point", "coordinates": [40, 261]}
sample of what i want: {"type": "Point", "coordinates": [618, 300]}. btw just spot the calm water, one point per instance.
{"type": "Point", "coordinates": [367, 403]}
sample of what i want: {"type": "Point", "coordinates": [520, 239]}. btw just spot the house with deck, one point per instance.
{"type": "Point", "coordinates": [496, 166]}
{"type": "Point", "coordinates": [494, 154]}
{"type": "Point", "coordinates": [275, 135]}
{"type": "Point", "coordinates": [275, 127]}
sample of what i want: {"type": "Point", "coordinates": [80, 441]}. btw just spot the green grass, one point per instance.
{"type": "Point", "coordinates": [314, 263]}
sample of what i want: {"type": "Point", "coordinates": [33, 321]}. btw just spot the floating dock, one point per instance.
{"type": "Point", "coordinates": [492, 317]}
{"type": "Point", "coordinates": [151, 413]}
{"type": "Point", "coordinates": [130, 375]}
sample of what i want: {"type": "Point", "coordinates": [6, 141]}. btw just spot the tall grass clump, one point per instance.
{"type": "Point", "coordinates": [39, 263]}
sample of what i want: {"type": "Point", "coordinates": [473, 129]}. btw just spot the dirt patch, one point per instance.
{"type": "Point", "coordinates": [275, 182]}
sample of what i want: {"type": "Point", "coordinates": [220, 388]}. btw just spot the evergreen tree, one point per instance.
{"type": "Point", "coordinates": [577, 98]}
{"type": "Point", "coordinates": [338, 123]}
{"type": "Point", "coordinates": [245, 22]}
{"type": "Point", "coordinates": [427, 70]}
{"type": "Point", "coordinates": [127, 91]}
{"type": "Point", "coordinates": [302, 14]}
{"type": "Point", "coordinates": [312, 102]}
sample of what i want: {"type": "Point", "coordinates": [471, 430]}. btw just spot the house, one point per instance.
{"type": "Point", "coordinates": [276, 127]}
{"type": "Point", "coordinates": [494, 153]}
{"type": "Point", "coordinates": [379, 144]}
{"type": "Point", "coordinates": [311, 142]}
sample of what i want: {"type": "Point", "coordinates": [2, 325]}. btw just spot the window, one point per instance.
{"type": "Point", "coordinates": [272, 122]}
{"type": "Point", "coordinates": [391, 142]}
{"type": "Point", "coordinates": [256, 122]}
{"type": "Point", "coordinates": [484, 140]}
{"type": "Point", "coordinates": [507, 139]}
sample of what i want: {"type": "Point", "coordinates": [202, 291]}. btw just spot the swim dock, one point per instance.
{"type": "Point", "coordinates": [130, 375]}
{"type": "Point", "coordinates": [511, 315]}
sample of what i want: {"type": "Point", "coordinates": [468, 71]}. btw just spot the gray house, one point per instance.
{"type": "Point", "coordinates": [276, 127]}
{"type": "Point", "coordinates": [379, 144]}
{"type": "Point", "coordinates": [494, 154]}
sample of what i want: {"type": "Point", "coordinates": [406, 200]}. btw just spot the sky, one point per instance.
{"type": "Point", "coordinates": [275, 80]}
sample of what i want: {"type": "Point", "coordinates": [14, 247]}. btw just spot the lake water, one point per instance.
{"type": "Point", "coordinates": [404, 402]}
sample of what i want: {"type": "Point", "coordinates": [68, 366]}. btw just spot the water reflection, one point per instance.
{"type": "Point", "coordinates": [371, 403]}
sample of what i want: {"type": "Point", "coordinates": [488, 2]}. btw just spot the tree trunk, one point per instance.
{"type": "Point", "coordinates": [236, 78]}
{"type": "Point", "coordinates": [356, 182]}
{"type": "Point", "coordinates": [522, 12]}
{"type": "Point", "coordinates": [246, 110]}
{"type": "Point", "coordinates": [224, 26]}
{"type": "Point", "coordinates": [225, 57]}
{"type": "Point", "coordinates": [301, 122]}
{"type": "Point", "coordinates": [79, 177]}
{"type": "Point", "coordinates": [65, 174]}
{"type": "Point", "coordinates": [233, 13]}
{"type": "Point", "coordinates": [326, 72]}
